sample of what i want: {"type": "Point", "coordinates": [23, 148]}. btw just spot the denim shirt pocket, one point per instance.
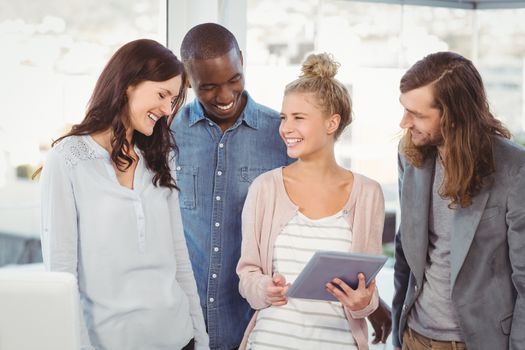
{"type": "Point", "coordinates": [186, 178]}
{"type": "Point", "coordinates": [247, 174]}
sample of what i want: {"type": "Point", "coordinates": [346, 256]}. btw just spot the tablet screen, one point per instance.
{"type": "Point", "coordinates": [324, 266]}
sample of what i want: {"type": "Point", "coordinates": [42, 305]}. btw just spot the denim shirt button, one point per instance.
{"type": "Point", "coordinates": [217, 224]}
{"type": "Point", "coordinates": [201, 157]}
{"type": "Point", "coordinates": [177, 168]}
{"type": "Point", "coordinates": [212, 300]}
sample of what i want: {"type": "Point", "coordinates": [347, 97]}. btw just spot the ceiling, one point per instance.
{"type": "Point", "coordinates": [463, 4]}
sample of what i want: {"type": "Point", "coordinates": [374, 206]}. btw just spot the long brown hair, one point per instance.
{"type": "Point", "coordinates": [135, 62]}
{"type": "Point", "coordinates": [467, 125]}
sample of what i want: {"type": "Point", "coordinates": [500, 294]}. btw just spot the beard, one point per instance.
{"type": "Point", "coordinates": [420, 139]}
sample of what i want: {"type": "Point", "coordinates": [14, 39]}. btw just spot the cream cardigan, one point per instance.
{"type": "Point", "coordinates": [268, 209]}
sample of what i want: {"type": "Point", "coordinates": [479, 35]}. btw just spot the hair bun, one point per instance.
{"type": "Point", "coordinates": [320, 65]}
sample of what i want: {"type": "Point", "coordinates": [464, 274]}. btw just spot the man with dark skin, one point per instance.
{"type": "Point", "coordinates": [224, 141]}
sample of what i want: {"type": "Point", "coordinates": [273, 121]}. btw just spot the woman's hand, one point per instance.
{"type": "Point", "coordinates": [354, 300]}
{"type": "Point", "coordinates": [276, 291]}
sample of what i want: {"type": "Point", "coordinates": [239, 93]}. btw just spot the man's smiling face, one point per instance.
{"type": "Point", "coordinates": [218, 84]}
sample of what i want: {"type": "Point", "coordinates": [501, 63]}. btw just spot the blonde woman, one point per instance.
{"type": "Point", "coordinates": [312, 204]}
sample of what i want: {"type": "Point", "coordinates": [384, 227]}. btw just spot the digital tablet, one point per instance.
{"type": "Point", "coordinates": [324, 266]}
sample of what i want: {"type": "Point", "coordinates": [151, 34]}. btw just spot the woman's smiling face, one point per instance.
{"type": "Point", "coordinates": [149, 101]}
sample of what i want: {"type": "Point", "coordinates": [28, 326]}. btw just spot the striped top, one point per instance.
{"type": "Point", "coordinates": [305, 324]}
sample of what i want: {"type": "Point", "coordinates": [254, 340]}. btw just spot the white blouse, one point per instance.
{"type": "Point", "coordinates": [125, 246]}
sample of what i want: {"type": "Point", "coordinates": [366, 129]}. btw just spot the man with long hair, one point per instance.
{"type": "Point", "coordinates": [460, 267]}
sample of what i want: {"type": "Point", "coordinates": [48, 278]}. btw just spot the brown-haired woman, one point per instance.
{"type": "Point", "coordinates": [110, 212]}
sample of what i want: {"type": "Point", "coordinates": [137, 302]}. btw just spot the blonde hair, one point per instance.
{"type": "Point", "coordinates": [318, 78]}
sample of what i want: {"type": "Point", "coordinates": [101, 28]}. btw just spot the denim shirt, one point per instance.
{"type": "Point", "coordinates": [214, 170]}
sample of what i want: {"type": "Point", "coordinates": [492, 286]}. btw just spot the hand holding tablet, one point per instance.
{"type": "Point", "coordinates": [326, 266]}
{"type": "Point", "coordinates": [275, 293]}
{"type": "Point", "coordinates": [353, 299]}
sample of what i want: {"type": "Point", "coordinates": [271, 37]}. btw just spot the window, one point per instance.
{"type": "Point", "coordinates": [375, 43]}
{"type": "Point", "coordinates": [52, 54]}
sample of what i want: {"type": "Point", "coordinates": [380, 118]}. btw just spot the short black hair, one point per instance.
{"type": "Point", "coordinates": [206, 41]}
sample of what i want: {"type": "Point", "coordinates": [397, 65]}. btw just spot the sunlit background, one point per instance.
{"type": "Point", "coordinates": [53, 51]}
{"type": "Point", "coordinates": [52, 54]}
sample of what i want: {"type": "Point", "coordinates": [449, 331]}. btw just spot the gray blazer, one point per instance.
{"type": "Point", "coordinates": [487, 252]}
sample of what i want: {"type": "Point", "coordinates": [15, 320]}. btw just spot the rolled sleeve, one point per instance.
{"type": "Point", "coordinates": [59, 231]}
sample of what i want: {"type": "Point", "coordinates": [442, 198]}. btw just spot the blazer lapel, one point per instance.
{"type": "Point", "coordinates": [415, 205]}
{"type": "Point", "coordinates": [465, 224]}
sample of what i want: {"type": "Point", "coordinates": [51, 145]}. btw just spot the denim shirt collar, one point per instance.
{"type": "Point", "coordinates": [249, 115]}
